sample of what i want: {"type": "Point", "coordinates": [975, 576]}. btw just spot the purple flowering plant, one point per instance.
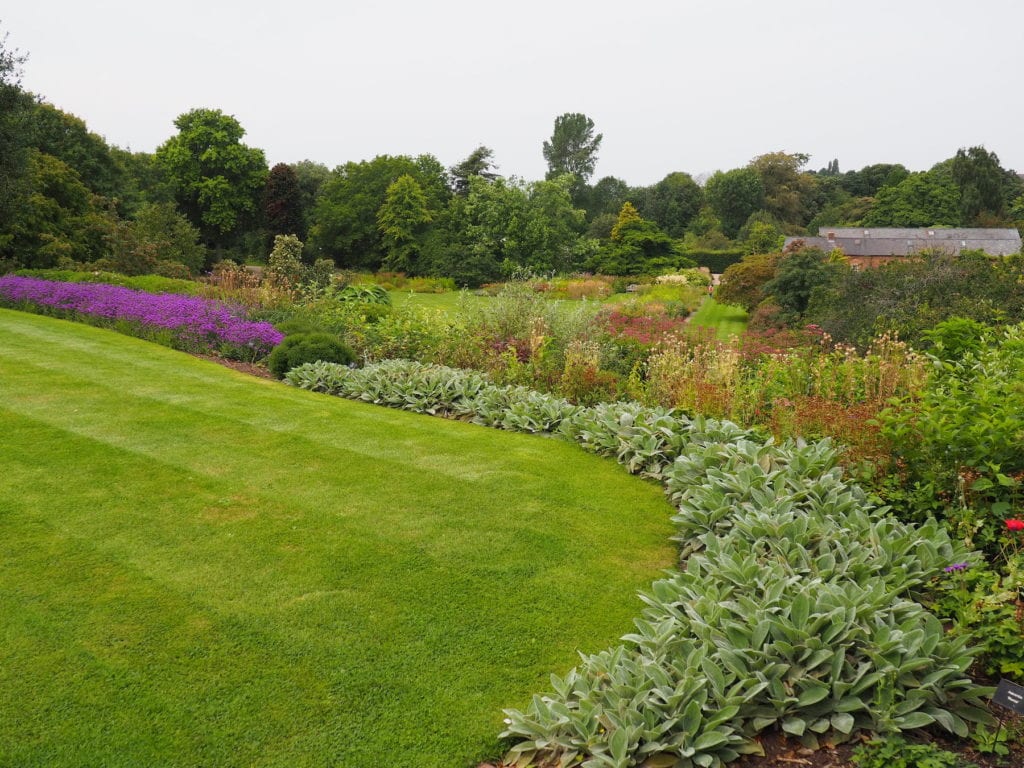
{"type": "Point", "coordinates": [194, 324]}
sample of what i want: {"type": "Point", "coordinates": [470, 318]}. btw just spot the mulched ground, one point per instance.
{"type": "Point", "coordinates": [250, 368]}
{"type": "Point", "coordinates": [779, 751]}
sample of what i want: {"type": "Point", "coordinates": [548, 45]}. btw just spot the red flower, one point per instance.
{"type": "Point", "coordinates": [1015, 525]}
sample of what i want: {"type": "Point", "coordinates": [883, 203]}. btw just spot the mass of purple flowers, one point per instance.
{"type": "Point", "coordinates": [195, 323]}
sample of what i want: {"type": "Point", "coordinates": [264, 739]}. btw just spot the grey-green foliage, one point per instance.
{"type": "Point", "coordinates": [440, 391]}
{"type": "Point", "coordinates": [795, 607]}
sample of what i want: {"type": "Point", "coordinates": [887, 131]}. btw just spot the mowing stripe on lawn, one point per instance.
{"type": "Point", "coordinates": [201, 568]}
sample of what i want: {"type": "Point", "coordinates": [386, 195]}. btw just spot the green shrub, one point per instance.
{"type": "Point", "coordinates": [302, 348]}
{"type": "Point", "coordinates": [896, 752]}
{"type": "Point", "coordinates": [957, 337]}
{"type": "Point", "coordinates": [960, 441]}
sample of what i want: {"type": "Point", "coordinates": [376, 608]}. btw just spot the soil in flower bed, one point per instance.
{"type": "Point", "coordinates": [252, 369]}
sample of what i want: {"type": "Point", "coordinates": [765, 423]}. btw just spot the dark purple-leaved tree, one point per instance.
{"type": "Point", "coordinates": [282, 203]}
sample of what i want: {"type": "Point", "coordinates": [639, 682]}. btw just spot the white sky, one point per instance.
{"type": "Point", "coordinates": [687, 85]}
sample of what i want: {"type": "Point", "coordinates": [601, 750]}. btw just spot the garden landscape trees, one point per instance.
{"type": "Point", "coordinates": [803, 605]}
{"type": "Point", "coordinates": [217, 180]}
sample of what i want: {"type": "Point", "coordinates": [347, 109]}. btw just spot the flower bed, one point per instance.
{"type": "Point", "coordinates": [189, 323]}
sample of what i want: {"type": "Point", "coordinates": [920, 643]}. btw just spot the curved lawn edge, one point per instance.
{"type": "Point", "coordinates": [124, 456]}
{"type": "Point", "coordinates": [799, 602]}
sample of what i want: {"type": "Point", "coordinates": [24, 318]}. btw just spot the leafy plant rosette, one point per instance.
{"type": "Point", "coordinates": [797, 604]}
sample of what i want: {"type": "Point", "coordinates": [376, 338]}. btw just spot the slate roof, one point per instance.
{"type": "Point", "coordinates": [892, 241]}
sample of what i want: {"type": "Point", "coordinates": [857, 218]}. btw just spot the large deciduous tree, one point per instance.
{"type": "Point", "coordinates": [605, 197]}
{"type": "Point", "coordinates": [980, 178]}
{"type": "Point", "coordinates": [14, 105]}
{"type": "Point", "coordinates": [345, 226]}
{"type": "Point", "coordinates": [58, 218]}
{"type": "Point", "coordinates": [533, 226]}
{"type": "Point", "coordinates": [217, 179]}
{"type": "Point", "coordinates": [788, 192]}
{"type": "Point", "coordinates": [673, 202]}
{"type": "Point", "coordinates": [926, 199]}
{"type": "Point", "coordinates": [733, 196]}
{"type": "Point", "coordinates": [573, 149]}
{"type": "Point", "coordinates": [67, 138]}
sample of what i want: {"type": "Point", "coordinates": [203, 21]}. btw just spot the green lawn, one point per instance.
{"type": "Point", "coordinates": [448, 302]}
{"type": "Point", "coordinates": [202, 568]}
{"type": "Point", "coordinates": [725, 319]}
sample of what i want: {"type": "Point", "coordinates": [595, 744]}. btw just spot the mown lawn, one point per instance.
{"type": "Point", "coordinates": [200, 568]}
{"type": "Point", "coordinates": [447, 302]}
{"type": "Point", "coordinates": [724, 319]}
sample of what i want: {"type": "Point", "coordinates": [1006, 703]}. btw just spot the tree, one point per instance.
{"type": "Point", "coordinates": [868, 180]}
{"type": "Point", "coordinates": [311, 177]}
{"type": "Point", "coordinates": [448, 249]}
{"type": "Point", "coordinates": [479, 163]}
{"type": "Point", "coordinates": [67, 138]}
{"type": "Point", "coordinates": [282, 203]}
{"type": "Point", "coordinates": [733, 196]}
{"type": "Point", "coordinates": [604, 197]}
{"type": "Point", "coordinates": [145, 181]}
{"type": "Point", "coordinates": [572, 149]}
{"type": "Point", "coordinates": [762, 237]}
{"type": "Point", "coordinates": [788, 193]}
{"type": "Point", "coordinates": [628, 214]}
{"type": "Point", "coordinates": [926, 199]}
{"type": "Point", "coordinates": [57, 217]}
{"type": "Point", "coordinates": [980, 179]}
{"type": "Point", "coordinates": [553, 228]}
{"type": "Point", "coordinates": [637, 247]}
{"type": "Point", "coordinates": [798, 274]}
{"type": "Point", "coordinates": [401, 220]}
{"type": "Point", "coordinates": [345, 226]}
{"type": "Point", "coordinates": [217, 179]}
{"type": "Point", "coordinates": [673, 202]}
{"type": "Point", "coordinates": [159, 236]}
{"type": "Point", "coordinates": [533, 226]}
{"type": "Point", "coordinates": [14, 142]}
{"type": "Point", "coordinates": [743, 283]}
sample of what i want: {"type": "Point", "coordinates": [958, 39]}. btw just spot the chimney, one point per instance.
{"type": "Point", "coordinates": [831, 237]}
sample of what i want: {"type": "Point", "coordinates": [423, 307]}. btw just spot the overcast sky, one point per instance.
{"type": "Point", "coordinates": [673, 86]}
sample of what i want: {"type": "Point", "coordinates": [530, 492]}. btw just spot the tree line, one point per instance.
{"type": "Point", "coordinates": [69, 198]}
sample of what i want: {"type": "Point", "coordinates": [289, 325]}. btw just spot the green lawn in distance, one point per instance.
{"type": "Point", "coordinates": [198, 568]}
{"type": "Point", "coordinates": [724, 319]}
{"type": "Point", "coordinates": [447, 302]}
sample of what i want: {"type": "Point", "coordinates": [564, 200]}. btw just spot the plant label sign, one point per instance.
{"type": "Point", "coordinates": [1009, 695]}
